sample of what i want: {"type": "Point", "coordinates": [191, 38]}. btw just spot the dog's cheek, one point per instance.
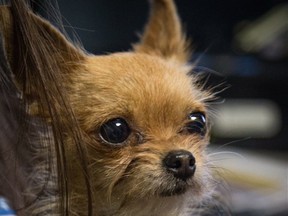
{"type": "Point", "coordinates": [141, 179]}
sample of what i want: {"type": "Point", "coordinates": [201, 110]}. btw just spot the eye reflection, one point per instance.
{"type": "Point", "coordinates": [115, 131]}
{"type": "Point", "coordinates": [197, 124]}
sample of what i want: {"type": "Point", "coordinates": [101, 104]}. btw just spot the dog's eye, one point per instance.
{"type": "Point", "coordinates": [115, 131]}
{"type": "Point", "coordinates": [197, 124]}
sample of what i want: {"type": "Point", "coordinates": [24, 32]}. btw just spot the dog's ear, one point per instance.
{"type": "Point", "coordinates": [163, 35]}
{"type": "Point", "coordinates": [26, 34]}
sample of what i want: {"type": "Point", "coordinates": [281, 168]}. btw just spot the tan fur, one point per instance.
{"type": "Point", "coordinates": [150, 88]}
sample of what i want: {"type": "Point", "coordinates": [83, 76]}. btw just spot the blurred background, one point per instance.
{"type": "Point", "coordinates": [243, 45]}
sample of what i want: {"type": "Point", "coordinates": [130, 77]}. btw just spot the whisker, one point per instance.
{"type": "Point", "coordinates": [202, 69]}
{"type": "Point", "coordinates": [226, 153]}
{"type": "Point", "coordinates": [233, 142]}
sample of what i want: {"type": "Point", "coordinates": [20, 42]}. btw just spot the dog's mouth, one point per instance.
{"type": "Point", "coordinates": [175, 192]}
{"type": "Point", "coordinates": [175, 187]}
{"type": "Point", "coordinates": [179, 188]}
{"type": "Point", "coordinates": [160, 183]}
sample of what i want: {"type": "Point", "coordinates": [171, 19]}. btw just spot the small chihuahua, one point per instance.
{"type": "Point", "coordinates": [122, 134]}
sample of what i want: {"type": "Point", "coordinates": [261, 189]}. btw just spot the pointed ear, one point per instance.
{"type": "Point", "coordinates": [163, 34]}
{"type": "Point", "coordinates": [25, 33]}
{"type": "Point", "coordinates": [54, 37]}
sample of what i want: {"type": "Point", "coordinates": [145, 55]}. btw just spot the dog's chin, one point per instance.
{"type": "Point", "coordinates": [176, 190]}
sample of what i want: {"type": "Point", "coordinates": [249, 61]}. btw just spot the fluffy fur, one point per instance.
{"type": "Point", "coordinates": [66, 94]}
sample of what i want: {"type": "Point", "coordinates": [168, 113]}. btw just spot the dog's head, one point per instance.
{"type": "Point", "coordinates": [141, 113]}
{"type": "Point", "coordinates": [144, 116]}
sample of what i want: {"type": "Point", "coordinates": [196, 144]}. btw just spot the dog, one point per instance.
{"type": "Point", "coordinates": [119, 134]}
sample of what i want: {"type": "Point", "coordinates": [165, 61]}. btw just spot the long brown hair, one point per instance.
{"type": "Point", "coordinates": [35, 117]}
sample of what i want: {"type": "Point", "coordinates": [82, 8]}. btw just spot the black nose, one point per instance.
{"type": "Point", "coordinates": [181, 163]}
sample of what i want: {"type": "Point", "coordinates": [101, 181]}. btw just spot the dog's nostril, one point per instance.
{"type": "Point", "coordinates": [181, 163]}
{"type": "Point", "coordinates": [192, 161]}
{"type": "Point", "coordinates": [173, 162]}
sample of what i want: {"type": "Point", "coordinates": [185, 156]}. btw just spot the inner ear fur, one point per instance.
{"type": "Point", "coordinates": [163, 35]}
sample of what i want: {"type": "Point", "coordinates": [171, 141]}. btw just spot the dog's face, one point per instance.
{"type": "Point", "coordinates": [146, 125]}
